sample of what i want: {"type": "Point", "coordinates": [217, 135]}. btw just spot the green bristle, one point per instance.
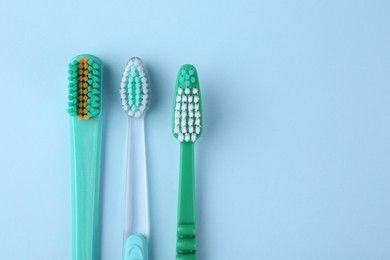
{"type": "Point", "coordinates": [95, 79]}
{"type": "Point", "coordinates": [134, 91]}
{"type": "Point", "coordinates": [72, 88]}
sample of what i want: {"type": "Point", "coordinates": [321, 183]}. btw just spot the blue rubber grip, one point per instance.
{"type": "Point", "coordinates": [136, 248]}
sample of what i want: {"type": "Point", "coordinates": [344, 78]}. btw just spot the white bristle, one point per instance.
{"type": "Point", "coordinates": [124, 85]}
{"type": "Point", "coordinates": [187, 115]}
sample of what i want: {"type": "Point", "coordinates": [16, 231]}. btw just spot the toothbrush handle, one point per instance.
{"type": "Point", "coordinates": [186, 229]}
{"type": "Point", "coordinates": [86, 151]}
{"type": "Point", "coordinates": [136, 220]}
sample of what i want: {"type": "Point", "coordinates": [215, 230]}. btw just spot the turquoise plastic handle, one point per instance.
{"type": "Point", "coordinates": [186, 229]}
{"type": "Point", "coordinates": [86, 150]}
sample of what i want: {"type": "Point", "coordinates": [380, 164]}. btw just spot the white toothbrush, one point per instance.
{"type": "Point", "coordinates": [135, 96]}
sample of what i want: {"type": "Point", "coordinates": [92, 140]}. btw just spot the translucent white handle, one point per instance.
{"type": "Point", "coordinates": [136, 190]}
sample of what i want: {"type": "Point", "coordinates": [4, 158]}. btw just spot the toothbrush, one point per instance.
{"type": "Point", "coordinates": [135, 96]}
{"type": "Point", "coordinates": [187, 128]}
{"type": "Point", "coordinates": [85, 110]}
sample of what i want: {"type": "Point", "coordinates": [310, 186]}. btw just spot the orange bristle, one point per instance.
{"type": "Point", "coordinates": [83, 89]}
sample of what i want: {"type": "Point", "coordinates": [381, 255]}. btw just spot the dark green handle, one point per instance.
{"type": "Point", "coordinates": [186, 228]}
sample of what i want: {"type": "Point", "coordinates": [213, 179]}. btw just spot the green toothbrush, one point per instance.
{"type": "Point", "coordinates": [187, 128]}
{"type": "Point", "coordinates": [85, 110]}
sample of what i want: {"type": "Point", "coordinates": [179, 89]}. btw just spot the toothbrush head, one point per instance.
{"type": "Point", "coordinates": [187, 106]}
{"type": "Point", "coordinates": [134, 89]}
{"type": "Point", "coordinates": [84, 88]}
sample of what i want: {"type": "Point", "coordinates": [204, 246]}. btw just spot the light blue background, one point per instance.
{"type": "Point", "coordinates": [294, 158]}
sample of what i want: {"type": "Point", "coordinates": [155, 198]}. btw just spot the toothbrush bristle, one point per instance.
{"type": "Point", "coordinates": [134, 90]}
{"type": "Point", "coordinates": [187, 119]}
{"type": "Point", "coordinates": [84, 87]}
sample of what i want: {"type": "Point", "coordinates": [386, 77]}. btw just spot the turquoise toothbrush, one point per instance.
{"type": "Point", "coordinates": [135, 96]}
{"type": "Point", "coordinates": [187, 128]}
{"type": "Point", "coordinates": [85, 110]}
